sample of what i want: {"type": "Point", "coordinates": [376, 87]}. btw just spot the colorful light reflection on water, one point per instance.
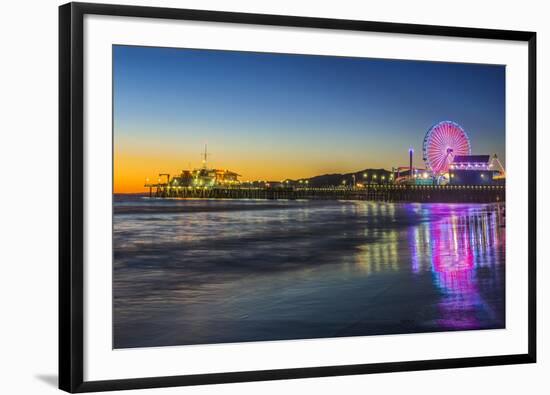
{"type": "Point", "coordinates": [458, 246]}
{"type": "Point", "coordinates": [195, 272]}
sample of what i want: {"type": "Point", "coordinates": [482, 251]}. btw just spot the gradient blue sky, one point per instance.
{"type": "Point", "coordinates": [272, 116]}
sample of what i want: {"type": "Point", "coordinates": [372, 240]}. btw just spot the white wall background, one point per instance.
{"type": "Point", "coordinates": [28, 231]}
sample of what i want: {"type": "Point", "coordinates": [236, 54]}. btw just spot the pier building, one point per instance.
{"type": "Point", "coordinates": [472, 170]}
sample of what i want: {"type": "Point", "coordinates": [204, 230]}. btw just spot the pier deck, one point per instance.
{"type": "Point", "coordinates": [386, 193]}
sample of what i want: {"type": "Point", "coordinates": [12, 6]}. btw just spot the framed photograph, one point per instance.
{"type": "Point", "coordinates": [253, 197]}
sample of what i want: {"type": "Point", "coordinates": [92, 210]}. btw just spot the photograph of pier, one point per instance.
{"type": "Point", "coordinates": [264, 196]}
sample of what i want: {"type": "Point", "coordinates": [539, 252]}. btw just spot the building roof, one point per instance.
{"type": "Point", "coordinates": [471, 159]}
{"type": "Point", "coordinates": [227, 172]}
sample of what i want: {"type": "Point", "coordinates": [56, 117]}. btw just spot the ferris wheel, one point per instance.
{"type": "Point", "coordinates": [442, 143]}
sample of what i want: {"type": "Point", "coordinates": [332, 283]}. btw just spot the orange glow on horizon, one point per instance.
{"type": "Point", "coordinates": [131, 172]}
{"type": "Point", "coordinates": [135, 161]}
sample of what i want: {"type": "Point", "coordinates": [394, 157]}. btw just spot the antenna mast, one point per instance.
{"type": "Point", "coordinates": [205, 156]}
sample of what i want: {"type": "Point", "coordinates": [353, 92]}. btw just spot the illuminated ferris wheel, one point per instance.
{"type": "Point", "coordinates": [442, 143]}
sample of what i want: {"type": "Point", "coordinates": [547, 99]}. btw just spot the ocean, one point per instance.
{"type": "Point", "coordinates": [217, 271]}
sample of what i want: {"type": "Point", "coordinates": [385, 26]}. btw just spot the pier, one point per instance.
{"type": "Point", "coordinates": [385, 193]}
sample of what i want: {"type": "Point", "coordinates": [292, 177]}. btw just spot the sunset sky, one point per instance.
{"type": "Point", "coordinates": [276, 116]}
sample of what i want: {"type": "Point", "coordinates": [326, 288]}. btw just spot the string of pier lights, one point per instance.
{"type": "Point", "coordinates": [468, 166]}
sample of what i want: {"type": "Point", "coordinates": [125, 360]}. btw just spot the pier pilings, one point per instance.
{"type": "Point", "coordinates": [385, 193]}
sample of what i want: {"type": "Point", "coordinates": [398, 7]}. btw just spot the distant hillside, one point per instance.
{"type": "Point", "coordinates": [363, 176]}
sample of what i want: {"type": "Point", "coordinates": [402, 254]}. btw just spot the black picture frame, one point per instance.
{"type": "Point", "coordinates": [71, 173]}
